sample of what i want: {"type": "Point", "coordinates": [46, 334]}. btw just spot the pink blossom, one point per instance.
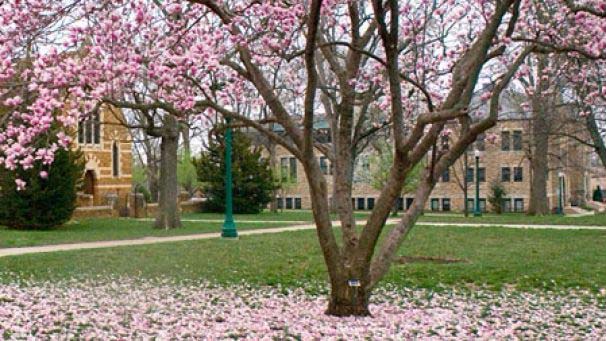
{"type": "Point", "coordinates": [20, 184]}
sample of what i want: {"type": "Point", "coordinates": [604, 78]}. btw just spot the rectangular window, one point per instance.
{"type": "Point", "coordinates": [400, 203]}
{"type": "Point", "coordinates": [293, 169]}
{"type": "Point", "coordinates": [517, 140]}
{"type": "Point", "coordinates": [505, 141]}
{"type": "Point", "coordinates": [284, 169]}
{"type": "Point", "coordinates": [280, 203]}
{"type": "Point", "coordinates": [518, 174]}
{"type": "Point", "coordinates": [481, 142]}
{"type": "Point", "coordinates": [89, 131]}
{"type": "Point", "coordinates": [361, 203]}
{"type": "Point", "coordinates": [298, 203]}
{"type": "Point", "coordinates": [506, 205]}
{"type": "Point", "coordinates": [370, 203]}
{"type": "Point", "coordinates": [289, 203]}
{"type": "Point", "coordinates": [482, 205]}
{"type": "Point", "coordinates": [470, 205]}
{"type": "Point", "coordinates": [435, 204]}
{"type": "Point", "coordinates": [505, 174]}
{"type": "Point", "coordinates": [518, 205]}
{"type": "Point", "coordinates": [115, 160]}
{"type": "Point", "coordinates": [469, 176]}
{"type": "Point", "coordinates": [446, 204]}
{"type": "Point", "coordinates": [446, 175]}
{"type": "Point", "coordinates": [482, 174]}
{"type": "Point", "coordinates": [324, 165]}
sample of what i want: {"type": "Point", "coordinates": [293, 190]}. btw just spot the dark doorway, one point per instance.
{"type": "Point", "coordinates": [90, 182]}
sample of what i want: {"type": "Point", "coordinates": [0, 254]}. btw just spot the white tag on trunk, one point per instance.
{"type": "Point", "coordinates": [353, 282]}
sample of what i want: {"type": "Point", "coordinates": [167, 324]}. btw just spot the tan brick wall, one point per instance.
{"type": "Point", "coordinates": [98, 158]}
{"type": "Point", "coordinates": [492, 158]}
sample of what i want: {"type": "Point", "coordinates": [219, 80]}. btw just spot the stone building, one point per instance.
{"type": "Point", "coordinates": [107, 150]}
{"type": "Point", "coordinates": [504, 162]}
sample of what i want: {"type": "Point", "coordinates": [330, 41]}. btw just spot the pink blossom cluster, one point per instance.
{"type": "Point", "coordinates": [59, 59]}
{"type": "Point", "coordinates": [123, 308]}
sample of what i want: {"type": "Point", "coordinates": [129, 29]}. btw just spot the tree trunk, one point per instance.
{"type": "Point", "coordinates": [168, 216]}
{"type": "Point", "coordinates": [539, 165]}
{"type": "Point", "coordinates": [348, 300]}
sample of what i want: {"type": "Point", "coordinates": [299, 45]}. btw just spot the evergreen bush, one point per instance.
{"type": "Point", "coordinates": [49, 197]}
{"type": "Point", "coordinates": [253, 181]}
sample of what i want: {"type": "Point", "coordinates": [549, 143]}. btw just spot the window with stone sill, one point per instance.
{"type": "Point", "coordinates": [505, 174]}
{"type": "Point", "coordinates": [518, 174]}
{"type": "Point", "coordinates": [446, 204]}
{"type": "Point", "coordinates": [435, 204]}
{"type": "Point", "coordinates": [517, 140]}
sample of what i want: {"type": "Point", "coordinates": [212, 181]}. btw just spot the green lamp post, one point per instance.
{"type": "Point", "coordinates": [229, 226]}
{"type": "Point", "coordinates": [477, 212]}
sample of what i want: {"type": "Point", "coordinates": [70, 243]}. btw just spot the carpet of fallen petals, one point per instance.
{"type": "Point", "coordinates": [125, 309]}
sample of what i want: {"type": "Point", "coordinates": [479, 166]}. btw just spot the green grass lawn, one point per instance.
{"type": "Point", "coordinates": [508, 218]}
{"type": "Point", "coordinates": [490, 256]}
{"type": "Point", "coordinates": [87, 230]}
{"type": "Point", "coordinates": [517, 218]}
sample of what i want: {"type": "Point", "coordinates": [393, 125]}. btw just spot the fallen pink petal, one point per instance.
{"type": "Point", "coordinates": [141, 309]}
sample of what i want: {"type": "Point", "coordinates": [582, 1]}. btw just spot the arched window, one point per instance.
{"type": "Point", "coordinates": [115, 160]}
{"type": "Point", "coordinates": [89, 130]}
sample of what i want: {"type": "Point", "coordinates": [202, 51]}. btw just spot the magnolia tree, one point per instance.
{"type": "Point", "coordinates": [431, 58]}
{"type": "Point", "coordinates": [417, 63]}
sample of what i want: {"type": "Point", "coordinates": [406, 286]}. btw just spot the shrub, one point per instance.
{"type": "Point", "coordinates": [497, 194]}
{"type": "Point", "coordinates": [253, 181]}
{"type": "Point", "coordinates": [44, 202]}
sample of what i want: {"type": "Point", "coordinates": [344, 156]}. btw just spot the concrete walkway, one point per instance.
{"type": "Point", "coordinates": [141, 241]}
{"type": "Point", "coordinates": [156, 240]}
{"type": "Point", "coordinates": [516, 226]}
{"type": "Point", "coordinates": [238, 221]}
